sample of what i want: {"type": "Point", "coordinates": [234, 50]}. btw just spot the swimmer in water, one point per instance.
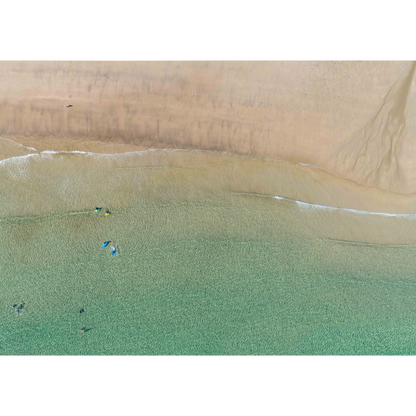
{"type": "Point", "coordinates": [19, 309]}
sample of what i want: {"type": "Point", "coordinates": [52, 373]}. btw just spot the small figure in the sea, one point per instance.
{"type": "Point", "coordinates": [98, 209]}
{"type": "Point", "coordinates": [69, 106]}
{"type": "Point", "coordinates": [81, 310]}
{"type": "Point", "coordinates": [106, 244]}
{"type": "Point", "coordinates": [83, 330]}
{"type": "Point", "coordinates": [107, 213]}
{"type": "Point", "coordinates": [113, 250]}
{"type": "Point", "coordinates": [19, 310]}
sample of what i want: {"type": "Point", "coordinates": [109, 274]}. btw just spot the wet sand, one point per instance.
{"type": "Point", "coordinates": [351, 119]}
{"type": "Point", "coordinates": [248, 216]}
{"type": "Point", "coordinates": [51, 183]}
{"type": "Point", "coordinates": [319, 113]}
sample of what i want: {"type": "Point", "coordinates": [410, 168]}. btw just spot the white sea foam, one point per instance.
{"type": "Point", "coordinates": [307, 206]}
{"type": "Point", "coordinates": [58, 152]}
{"type": "Point", "coordinates": [19, 144]}
{"type": "Point", "coordinates": [16, 159]}
{"type": "Point", "coordinates": [96, 154]}
{"type": "Point", "coordinates": [16, 166]}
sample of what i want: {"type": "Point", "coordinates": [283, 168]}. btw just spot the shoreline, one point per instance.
{"type": "Point", "coordinates": [301, 112]}
{"type": "Point", "coordinates": [308, 184]}
{"type": "Point", "coordinates": [75, 182]}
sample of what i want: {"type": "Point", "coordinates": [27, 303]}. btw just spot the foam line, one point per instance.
{"type": "Point", "coordinates": [97, 154]}
{"type": "Point", "coordinates": [304, 206]}
{"type": "Point", "coordinates": [307, 206]}
{"type": "Point", "coordinates": [19, 144]}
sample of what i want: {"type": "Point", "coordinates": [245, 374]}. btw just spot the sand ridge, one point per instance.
{"type": "Point", "coordinates": [381, 153]}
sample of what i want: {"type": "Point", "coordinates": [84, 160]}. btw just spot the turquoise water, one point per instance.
{"type": "Point", "coordinates": [223, 274]}
{"type": "Point", "coordinates": [203, 267]}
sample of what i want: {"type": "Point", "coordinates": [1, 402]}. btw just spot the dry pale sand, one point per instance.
{"type": "Point", "coordinates": [354, 120]}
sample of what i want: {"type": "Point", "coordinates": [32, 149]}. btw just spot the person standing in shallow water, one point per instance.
{"type": "Point", "coordinates": [19, 310]}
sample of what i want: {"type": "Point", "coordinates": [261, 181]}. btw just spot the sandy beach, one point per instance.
{"type": "Point", "coordinates": [254, 208]}
{"type": "Point", "coordinates": [351, 119]}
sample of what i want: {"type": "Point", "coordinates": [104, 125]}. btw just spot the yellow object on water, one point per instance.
{"type": "Point", "coordinates": [107, 213]}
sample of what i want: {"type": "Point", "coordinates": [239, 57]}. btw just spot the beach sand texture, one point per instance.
{"type": "Point", "coordinates": [354, 119]}
{"type": "Point", "coordinates": [258, 207]}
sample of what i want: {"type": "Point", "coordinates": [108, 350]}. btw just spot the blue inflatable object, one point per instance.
{"type": "Point", "coordinates": [106, 244]}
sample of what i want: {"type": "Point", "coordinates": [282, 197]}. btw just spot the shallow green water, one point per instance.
{"type": "Point", "coordinates": [223, 275]}
{"type": "Point", "coordinates": [201, 269]}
